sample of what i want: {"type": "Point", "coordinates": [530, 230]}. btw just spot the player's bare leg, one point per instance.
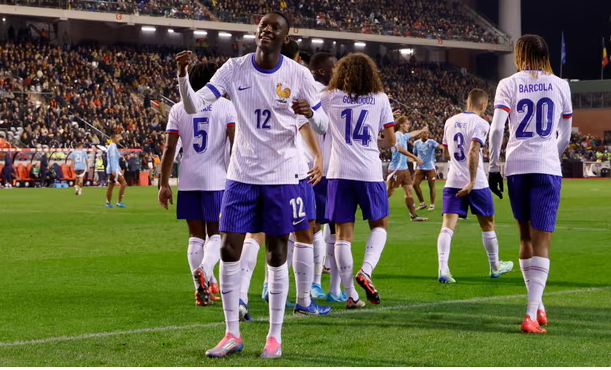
{"type": "Point", "coordinates": [373, 252]}
{"type": "Point", "coordinates": [345, 262]}
{"type": "Point", "coordinates": [230, 277]}
{"type": "Point", "coordinates": [534, 263]}
{"type": "Point", "coordinates": [491, 244]}
{"type": "Point", "coordinates": [409, 203]}
{"type": "Point", "coordinates": [303, 267]}
{"type": "Point", "coordinates": [111, 186]}
{"type": "Point", "coordinates": [122, 191]}
{"type": "Point", "coordinates": [432, 192]}
{"type": "Point", "coordinates": [278, 277]}
{"type": "Point", "coordinates": [417, 181]}
{"type": "Point", "coordinates": [195, 255]}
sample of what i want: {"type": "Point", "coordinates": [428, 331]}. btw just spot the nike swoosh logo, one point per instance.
{"type": "Point", "coordinates": [227, 292]}
{"type": "Point", "coordinates": [274, 293]}
{"type": "Point", "coordinates": [244, 88]}
{"type": "Point", "coordinates": [298, 222]}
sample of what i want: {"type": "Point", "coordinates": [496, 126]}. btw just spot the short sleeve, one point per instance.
{"type": "Point", "coordinates": [481, 132]}
{"type": "Point", "coordinates": [386, 117]}
{"type": "Point", "coordinates": [407, 136]}
{"type": "Point", "coordinates": [231, 114]}
{"type": "Point", "coordinates": [567, 104]}
{"type": "Point", "coordinates": [172, 126]}
{"type": "Point", "coordinates": [308, 89]}
{"type": "Point", "coordinates": [503, 97]}
{"type": "Point", "coordinates": [220, 82]}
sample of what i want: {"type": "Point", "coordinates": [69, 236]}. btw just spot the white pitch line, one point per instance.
{"type": "Point", "coordinates": [501, 224]}
{"type": "Point", "coordinates": [334, 313]}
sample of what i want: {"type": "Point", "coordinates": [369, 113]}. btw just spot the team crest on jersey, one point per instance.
{"type": "Point", "coordinates": [283, 94]}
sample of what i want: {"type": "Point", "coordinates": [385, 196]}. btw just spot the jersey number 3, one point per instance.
{"type": "Point", "coordinates": [459, 140]}
{"type": "Point", "coordinates": [199, 132]}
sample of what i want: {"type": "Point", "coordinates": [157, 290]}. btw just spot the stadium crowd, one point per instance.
{"type": "Point", "coordinates": [433, 19]}
{"type": "Point", "coordinates": [588, 148]}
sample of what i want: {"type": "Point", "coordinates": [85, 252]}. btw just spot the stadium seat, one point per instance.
{"type": "Point", "coordinates": [67, 170]}
{"type": "Point", "coordinates": [22, 174]}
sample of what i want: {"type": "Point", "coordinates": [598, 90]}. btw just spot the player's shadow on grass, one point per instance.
{"type": "Point", "coordinates": [503, 280]}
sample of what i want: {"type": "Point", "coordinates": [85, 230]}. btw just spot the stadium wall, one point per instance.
{"type": "Point", "coordinates": [592, 121]}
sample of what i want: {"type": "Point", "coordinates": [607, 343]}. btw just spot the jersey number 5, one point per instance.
{"type": "Point", "coordinates": [199, 132]}
{"type": "Point", "coordinates": [543, 125]}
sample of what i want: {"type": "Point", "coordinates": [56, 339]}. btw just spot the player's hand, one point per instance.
{"type": "Point", "coordinates": [495, 181]}
{"type": "Point", "coordinates": [302, 107]}
{"type": "Point", "coordinates": [465, 191]}
{"type": "Point", "coordinates": [419, 160]}
{"type": "Point", "coordinates": [165, 195]}
{"type": "Point", "coordinates": [182, 62]}
{"type": "Point", "coordinates": [397, 113]}
{"type": "Point", "coordinates": [315, 174]}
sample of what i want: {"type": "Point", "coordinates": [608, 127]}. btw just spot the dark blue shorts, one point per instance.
{"type": "Point", "coordinates": [199, 205]}
{"type": "Point", "coordinates": [346, 195]}
{"type": "Point", "coordinates": [309, 199]}
{"type": "Point", "coordinates": [480, 201]}
{"type": "Point", "coordinates": [320, 191]}
{"type": "Point", "coordinates": [535, 198]}
{"type": "Point", "coordinates": [272, 209]}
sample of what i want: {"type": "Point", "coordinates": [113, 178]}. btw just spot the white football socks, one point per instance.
{"type": "Point", "coordinates": [525, 266]}
{"type": "Point", "coordinates": [248, 261]}
{"type": "Point", "coordinates": [334, 279]}
{"type": "Point", "coordinates": [343, 257]}
{"type": "Point", "coordinates": [319, 254]}
{"type": "Point", "coordinates": [212, 254]}
{"type": "Point", "coordinates": [230, 291]}
{"type": "Point", "coordinates": [373, 251]}
{"type": "Point", "coordinates": [443, 248]}
{"type": "Point", "coordinates": [289, 250]}
{"type": "Point", "coordinates": [491, 243]}
{"type": "Point", "coordinates": [278, 291]}
{"type": "Point", "coordinates": [195, 254]}
{"type": "Point", "coordinates": [303, 267]}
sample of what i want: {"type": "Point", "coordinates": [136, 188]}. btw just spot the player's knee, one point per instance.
{"type": "Point", "coordinates": [304, 236]}
{"type": "Point", "coordinates": [381, 223]}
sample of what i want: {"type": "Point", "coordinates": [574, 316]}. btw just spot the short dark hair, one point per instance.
{"type": "Point", "coordinates": [477, 96]}
{"type": "Point", "coordinates": [286, 19]}
{"type": "Point", "coordinates": [200, 74]}
{"type": "Point", "coordinates": [290, 49]}
{"type": "Point", "coordinates": [319, 58]}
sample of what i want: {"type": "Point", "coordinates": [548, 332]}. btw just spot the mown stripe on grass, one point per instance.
{"type": "Point", "coordinates": [334, 313]}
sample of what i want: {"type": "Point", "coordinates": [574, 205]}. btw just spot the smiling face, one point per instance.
{"type": "Point", "coordinates": [272, 33]}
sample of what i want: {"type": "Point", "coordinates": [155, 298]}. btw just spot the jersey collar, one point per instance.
{"type": "Point", "coordinates": [263, 70]}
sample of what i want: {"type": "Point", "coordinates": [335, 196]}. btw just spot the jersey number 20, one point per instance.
{"type": "Point", "coordinates": [543, 125]}
{"type": "Point", "coordinates": [199, 132]}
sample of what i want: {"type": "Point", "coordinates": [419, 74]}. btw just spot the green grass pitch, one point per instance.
{"type": "Point", "coordinates": [82, 285]}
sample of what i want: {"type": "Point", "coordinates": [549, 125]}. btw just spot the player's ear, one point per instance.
{"type": "Point", "coordinates": [287, 38]}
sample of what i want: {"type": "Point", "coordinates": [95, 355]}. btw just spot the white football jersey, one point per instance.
{"type": "Point", "coordinates": [265, 150]}
{"type": "Point", "coordinates": [535, 106]}
{"type": "Point", "coordinates": [458, 133]}
{"type": "Point", "coordinates": [205, 153]}
{"type": "Point", "coordinates": [354, 127]}
{"type": "Point", "coordinates": [325, 145]}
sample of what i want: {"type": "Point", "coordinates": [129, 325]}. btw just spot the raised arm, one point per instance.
{"type": "Point", "coordinates": [405, 152]}
{"type": "Point", "coordinates": [193, 101]}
